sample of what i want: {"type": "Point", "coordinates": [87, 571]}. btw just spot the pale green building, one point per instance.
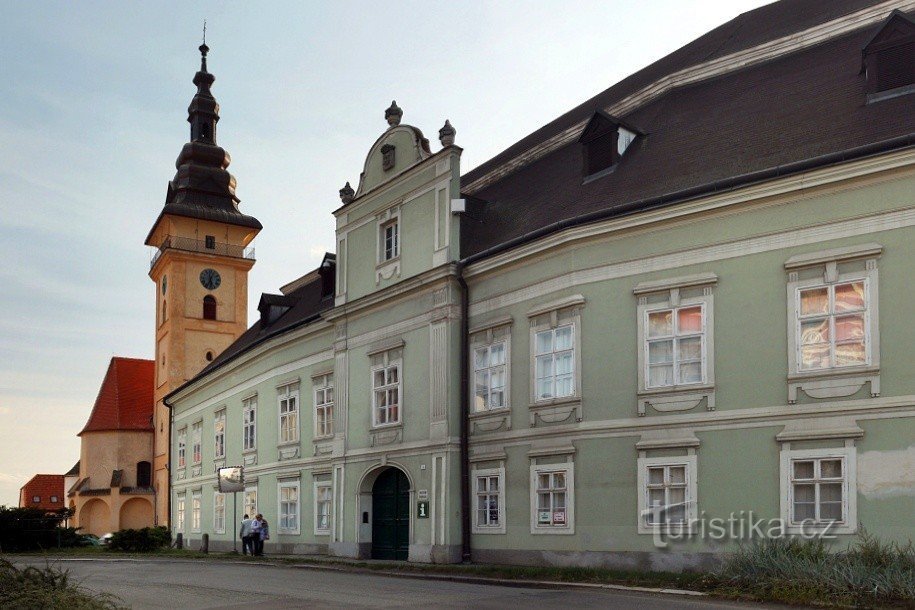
{"type": "Point", "coordinates": [675, 317]}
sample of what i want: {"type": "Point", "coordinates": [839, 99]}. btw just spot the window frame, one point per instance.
{"type": "Point", "coordinates": [249, 405]}
{"type": "Point", "coordinates": [385, 255]}
{"type": "Point", "coordinates": [318, 487]}
{"type": "Point", "coordinates": [180, 512]}
{"type": "Point", "coordinates": [182, 447]}
{"type": "Point", "coordinates": [197, 442]}
{"type": "Point", "coordinates": [550, 317]}
{"type": "Point", "coordinates": [568, 469]}
{"type": "Point", "coordinates": [219, 436]}
{"type": "Point", "coordinates": [848, 455]}
{"type": "Point", "coordinates": [324, 383]}
{"type": "Point", "coordinates": [280, 486]}
{"type": "Point", "coordinates": [196, 508]}
{"type": "Point", "coordinates": [389, 359]}
{"type": "Point", "coordinates": [244, 500]}
{"type": "Point", "coordinates": [691, 464]}
{"type": "Point", "coordinates": [289, 393]}
{"type": "Point", "coordinates": [487, 340]}
{"type": "Point", "coordinates": [217, 497]}
{"type": "Point", "coordinates": [489, 474]}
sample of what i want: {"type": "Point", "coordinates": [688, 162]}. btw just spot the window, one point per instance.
{"type": "Point", "coordinates": [249, 423]}
{"type": "Point", "coordinates": [288, 397]}
{"type": "Point", "coordinates": [674, 343]}
{"type": "Point", "coordinates": [195, 441]}
{"type": "Point", "coordinates": [323, 503]}
{"type": "Point", "coordinates": [249, 501]}
{"type": "Point", "coordinates": [164, 317]}
{"type": "Point", "coordinates": [488, 485]}
{"type": "Point", "coordinates": [324, 405]}
{"type": "Point", "coordinates": [54, 498]}
{"type": "Point", "coordinates": [889, 55]}
{"type": "Point", "coordinates": [179, 513]}
{"type": "Point", "coordinates": [36, 499]}
{"type": "Point", "coordinates": [819, 490]}
{"type": "Point", "coordinates": [195, 511]}
{"type": "Point", "coordinates": [210, 242]}
{"type": "Point", "coordinates": [390, 240]}
{"type": "Point", "coordinates": [144, 474]}
{"type": "Point", "coordinates": [219, 434]}
{"type": "Point", "coordinates": [555, 363]}
{"type": "Point", "coordinates": [833, 329]}
{"type": "Point", "coordinates": [386, 389]}
{"type": "Point", "coordinates": [209, 307]}
{"type": "Point", "coordinates": [289, 507]}
{"type": "Point", "coordinates": [603, 142]}
{"type": "Point", "coordinates": [182, 444]}
{"type": "Point", "coordinates": [219, 512]}
{"type": "Point", "coordinates": [667, 493]}
{"type": "Point", "coordinates": [832, 326]}
{"type": "Point", "coordinates": [551, 498]}
{"type": "Point", "coordinates": [490, 376]}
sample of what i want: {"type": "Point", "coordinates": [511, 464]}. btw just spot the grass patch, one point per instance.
{"type": "Point", "coordinates": [47, 588]}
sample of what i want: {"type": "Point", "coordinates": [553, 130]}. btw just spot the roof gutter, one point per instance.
{"type": "Point", "coordinates": [709, 188]}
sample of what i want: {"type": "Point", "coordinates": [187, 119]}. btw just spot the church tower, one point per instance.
{"type": "Point", "coordinates": [200, 267]}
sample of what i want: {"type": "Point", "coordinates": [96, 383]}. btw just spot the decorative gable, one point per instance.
{"type": "Point", "coordinates": [603, 141]}
{"type": "Point", "coordinates": [889, 56]}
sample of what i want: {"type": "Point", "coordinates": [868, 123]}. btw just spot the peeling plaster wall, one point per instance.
{"type": "Point", "coordinates": [887, 474]}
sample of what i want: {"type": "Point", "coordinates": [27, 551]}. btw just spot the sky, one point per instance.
{"type": "Point", "coordinates": [93, 99]}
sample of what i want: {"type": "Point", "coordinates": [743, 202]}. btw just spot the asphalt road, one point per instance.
{"type": "Point", "coordinates": [214, 584]}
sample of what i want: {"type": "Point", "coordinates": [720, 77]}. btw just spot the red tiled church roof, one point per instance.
{"type": "Point", "coordinates": [125, 400]}
{"type": "Point", "coordinates": [43, 486]}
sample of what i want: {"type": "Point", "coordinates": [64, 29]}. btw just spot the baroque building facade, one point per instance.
{"type": "Point", "coordinates": [683, 301]}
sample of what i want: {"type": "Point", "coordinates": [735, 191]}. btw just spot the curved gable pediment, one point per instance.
{"type": "Point", "coordinates": [397, 150]}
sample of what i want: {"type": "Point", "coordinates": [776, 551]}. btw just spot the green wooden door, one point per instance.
{"type": "Point", "coordinates": [391, 515]}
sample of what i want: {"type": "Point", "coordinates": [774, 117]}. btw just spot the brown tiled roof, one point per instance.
{"type": "Point", "coordinates": [44, 486]}
{"type": "Point", "coordinates": [793, 108]}
{"type": "Point", "coordinates": [125, 400]}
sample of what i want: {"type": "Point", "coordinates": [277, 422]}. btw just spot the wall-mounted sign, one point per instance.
{"type": "Point", "coordinates": [422, 494]}
{"type": "Point", "coordinates": [422, 510]}
{"type": "Point", "coordinates": [231, 479]}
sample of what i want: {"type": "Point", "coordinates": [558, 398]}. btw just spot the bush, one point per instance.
{"type": "Point", "coordinates": [141, 541]}
{"type": "Point", "coordinates": [31, 587]}
{"type": "Point", "coordinates": [29, 529]}
{"type": "Point", "coordinates": [793, 570]}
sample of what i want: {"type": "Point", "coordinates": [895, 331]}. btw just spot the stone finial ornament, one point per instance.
{"type": "Point", "coordinates": [392, 115]}
{"type": "Point", "coordinates": [347, 194]}
{"type": "Point", "coordinates": [446, 134]}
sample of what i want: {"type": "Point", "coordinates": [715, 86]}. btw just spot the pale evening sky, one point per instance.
{"type": "Point", "coordinates": [93, 99]}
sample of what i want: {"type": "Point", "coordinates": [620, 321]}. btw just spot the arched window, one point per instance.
{"type": "Point", "coordinates": [164, 312]}
{"type": "Point", "coordinates": [144, 474]}
{"type": "Point", "coordinates": [209, 307]}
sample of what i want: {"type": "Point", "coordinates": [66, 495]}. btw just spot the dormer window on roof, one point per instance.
{"type": "Point", "coordinates": [603, 142]}
{"type": "Point", "coordinates": [889, 56]}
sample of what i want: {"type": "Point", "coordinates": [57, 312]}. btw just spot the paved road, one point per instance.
{"type": "Point", "coordinates": [212, 584]}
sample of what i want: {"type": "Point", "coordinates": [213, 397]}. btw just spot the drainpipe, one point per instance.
{"type": "Point", "coordinates": [168, 460]}
{"type": "Point", "coordinates": [465, 416]}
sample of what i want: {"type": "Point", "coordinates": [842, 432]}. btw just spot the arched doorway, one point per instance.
{"type": "Point", "coordinates": [136, 513]}
{"type": "Point", "coordinates": [95, 517]}
{"type": "Point", "coordinates": [391, 515]}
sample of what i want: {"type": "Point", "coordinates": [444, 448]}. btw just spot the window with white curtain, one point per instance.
{"type": "Point", "coordinates": [675, 344]}
{"type": "Point", "coordinates": [288, 507]}
{"type": "Point", "coordinates": [288, 398]}
{"type": "Point", "coordinates": [324, 405]}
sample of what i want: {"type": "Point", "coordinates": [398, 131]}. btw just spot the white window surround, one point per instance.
{"type": "Point", "coordinates": [249, 500]}
{"type": "Point", "coordinates": [550, 317]}
{"type": "Point", "coordinates": [323, 411]}
{"type": "Point", "coordinates": [676, 294]}
{"type": "Point", "coordinates": [180, 506]}
{"type": "Point", "coordinates": [827, 269]}
{"type": "Point", "coordinates": [387, 267]}
{"type": "Point", "coordinates": [690, 464]}
{"type": "Point", "coordinates": [568, 470]}
{"type": "Point", "coordinates": [324, 507]}
{"type": "Point", "coordinates": [486, 339]}
{"type": "Point", "coordinates": [488, 474]}
{"type": "Point", "coordinates": [219, 435]}
{"type": "Point", "coordinates": [195, 511]}
{"type": "Point", "coordinates": [289, 507]}
{"type": "Point", "coordinates": [389, 365]}
{"type": "Point", "coordinates": [219, 512]}
{"type": "Point", "coordinates": [287, 404]}
{"type": "Point", "coordinates": [182, 447]}
{"type": "Point", "coordinates": [848, 456]}
{"type": "Point", "coordinates": [249, 424]}
{"type": "Point", "coordinates": [196, 442]}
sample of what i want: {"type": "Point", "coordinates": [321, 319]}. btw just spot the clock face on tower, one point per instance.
{"type": "Point", "coordinates": [210, 279]}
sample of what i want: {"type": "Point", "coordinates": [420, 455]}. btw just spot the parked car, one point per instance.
{"type": "Point", "coordinates": [106, 539]}
{"type": "Point", "coordinates": [89, 540]}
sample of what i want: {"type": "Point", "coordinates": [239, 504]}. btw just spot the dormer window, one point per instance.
{"type": "Point", "coordinates": [603, 142]}
{"type": "Point", "coordinates": [889, 58]}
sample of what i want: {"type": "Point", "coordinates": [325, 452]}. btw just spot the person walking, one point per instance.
{"type": "Point", "coordinates": [247, 543]}
{"type": "Point", "coordinates": [255, 533]}
{"type": "Point", "coordinates": [265, 534]}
